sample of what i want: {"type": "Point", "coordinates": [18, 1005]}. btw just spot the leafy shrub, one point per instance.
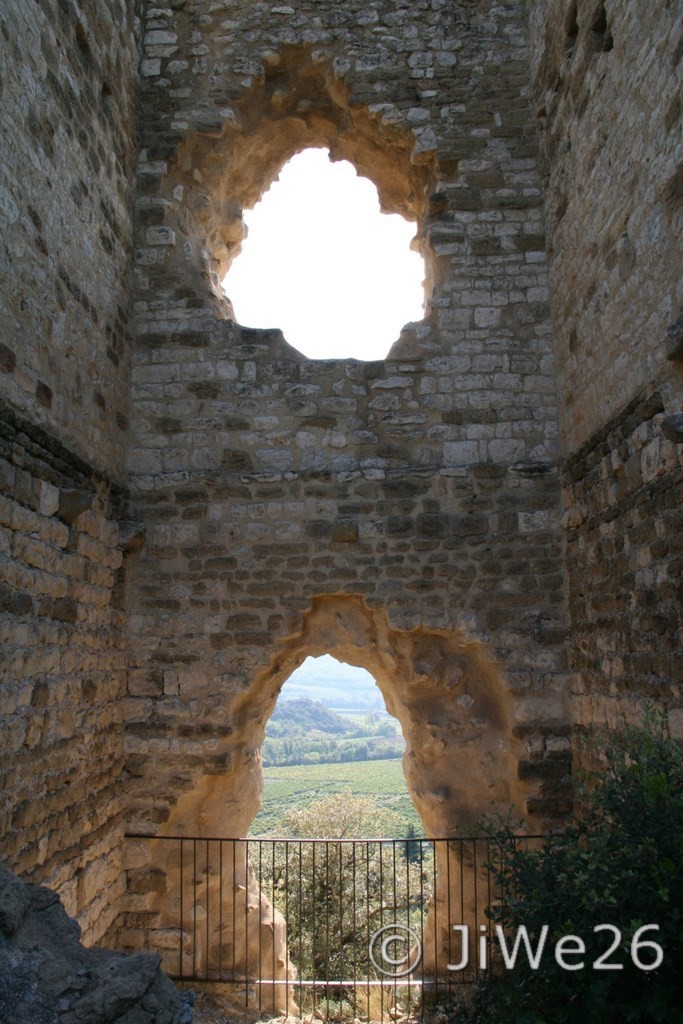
{"type": "Point", "coordinates": [621, 865]}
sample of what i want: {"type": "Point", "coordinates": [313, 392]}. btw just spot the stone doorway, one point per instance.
{"type": "Point", "coordinates": [445, 689]}
{"type": "Point", "coordinates": [461, 760]}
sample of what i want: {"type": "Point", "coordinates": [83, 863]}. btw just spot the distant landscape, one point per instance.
{"type": "Point", "coordinates": [293, 787]}
{"type": "Point", "coordinates": [304, 731]}
{"type": "Point", "coordinates": [329, 732]}
{"type": "Point", "coordinates": [337, 686]}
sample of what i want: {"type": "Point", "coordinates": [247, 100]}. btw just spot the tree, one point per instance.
{"type": "Point", "coordinates": [413, 847]}
{"type": "Point", "coordinates": [621, 866]}
{"type": "Point", "coordinates": [335, 895]}
{"type": "Point", "coordinates": [342, 815]}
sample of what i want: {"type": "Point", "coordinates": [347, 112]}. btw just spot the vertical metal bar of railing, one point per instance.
{"type": "Point", "coordinates": [422, 924]}
{"type": "Point", "coordinates": [234, 907]}
{"type": "Point", "coordinates": [380, 850]}
{"type": "Point", "coordinates": [287, 960]}
{"type": "Point", "coordinates": [220, 910]}
{"type": "Point", "coordinates": [461, 849]}
{"type": "Point", "coordinates": [367, 917]}
{"type": "Point", "coordinates": [408, 920]}
{"type": "Point", "coordinates": [246, 922]}
{"type": "Point", "coordinates": [208, 911]}
{"type": "Point", "coordinates": [394, 992]}
{"type": "Point", "coordinates": [475, 923]}
{"type": "Point", "coordinates": [439, 849]}
{"type": "Point", "coordinates": [260, 929]}
{"type": "Point", "coordinates": [194, 907]}
{"type": "Point", "coordinates": [489, 900]}
{"type": "Point", "coordinates": [353, 926]}
{"type": "Point", "coordinates": [313, 926]}
{"type": "Point", "coordinates": [341, 922]}
{"type": "Point", "coordinates": [300, 919]}
{"type": "Point", "coordinates": [272, 901]}
{"type": "Point", "coordinates": [181, 933]}
{"type": "Point", "coordinates": [328, 907]}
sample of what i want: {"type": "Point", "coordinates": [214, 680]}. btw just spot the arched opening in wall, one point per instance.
{"type": "Point", "coordinates": [323, 263]}
{"type": "Point", "coordinates": [460, 760]}
{"type": "Point", "coordinates": [340, 845]}
{"type": "Point", "coordinates": [332, 759]}
{"type": "Point", "coordinates": [298, 913]}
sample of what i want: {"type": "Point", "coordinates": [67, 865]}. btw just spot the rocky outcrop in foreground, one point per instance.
{"type": "Point", "coordinates": [48, 977]}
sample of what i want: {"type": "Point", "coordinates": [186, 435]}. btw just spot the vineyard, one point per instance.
{"type": "Point", "coordinates": [291, 787]}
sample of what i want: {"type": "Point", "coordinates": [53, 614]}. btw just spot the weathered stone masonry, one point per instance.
{"type": "Point", "coordinates": [64, 673]}
{"type": "Point", "coordinates": [193, 508]}
{"type": "Point", "coordinates": [606, 81]}
{"type": "Point", "coordinates": [67, 117]}
{"type": "Point", "coordinates": [426, 484]}
{"type": "Point", "coordinates": [404, 514]}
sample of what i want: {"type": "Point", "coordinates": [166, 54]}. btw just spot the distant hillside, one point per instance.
{"type": "Point", "coordinates": [303, 715]}
{"type": "Point", "coordinates": [335, 684]}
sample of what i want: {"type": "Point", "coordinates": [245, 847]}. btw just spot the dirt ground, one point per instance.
{"type": "Point", "coordinates": [214, 1007]}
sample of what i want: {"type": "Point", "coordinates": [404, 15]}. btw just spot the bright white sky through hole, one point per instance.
{"type": "Point", "coordinates": [324, 265]}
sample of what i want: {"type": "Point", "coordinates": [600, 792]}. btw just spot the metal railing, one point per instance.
{"type": "Point", "coordinates": [339, 928]}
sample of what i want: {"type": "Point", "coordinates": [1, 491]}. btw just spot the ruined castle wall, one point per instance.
{"type": "Point", "coordinates": [68, 125]}
{"type": "Point", "coordinates": [402, 514]}
{"type": "Point", "coordinates": [67, 118]}
{"type": "Point", "coordinates": [607, 87]}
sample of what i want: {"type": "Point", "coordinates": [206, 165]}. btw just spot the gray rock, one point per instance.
{"type": "Point", "coordinates": [48, 977]}
{"type": "Point", "coordinates": [14, 901]}
{"type": "Point", "coordinates": [672, 427]}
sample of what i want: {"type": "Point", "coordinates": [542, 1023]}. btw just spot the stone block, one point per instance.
{"type": "Point", "coordinates": [460, 453]}
{"type": "Point", "coordinates": [160, 236]}
{"type": "Point", "coordinates": [147, 682]}
{"type": "Point", "coordinates": [150, 67]}
{"type": "Point", "coordinates": [344, 532]}
{"type": "Point", "coordinates": [675, 722]}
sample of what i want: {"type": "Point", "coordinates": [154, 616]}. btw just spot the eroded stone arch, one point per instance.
{"type": "Point", "coordinates": [444, 687]}
{"type": "Point", "coordinates": [293, 100]}
{"type": "Point", "coordinates": [447, 692]}
{"type": "Point", "coordinates": [461, 761]}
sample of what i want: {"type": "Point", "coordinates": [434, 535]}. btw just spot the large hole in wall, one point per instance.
{"type": "Point", "coordinates": [461, 760]}
{"type": "Point", "coordinates": [324, 264]}
{"type": "Point", "coordinates": [443, 686]}
{"type": "Point", "coordinates": [296, 106]}
{"type": "Point", "coordinates": [332, 759]}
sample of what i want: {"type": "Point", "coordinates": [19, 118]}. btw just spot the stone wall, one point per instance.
{"type": "Point", "coordinates": [624, 552]}
{"type": "Point", "coordinates": [68, 124]}
{"type": "Point", "coordinates": [606, 84]}
{"type": "Point", "coordinates": [67, 83]}
{"type": "Point", "coordinates": [63, 673]}
{"type": "Point", "coordinates": [403, 514]}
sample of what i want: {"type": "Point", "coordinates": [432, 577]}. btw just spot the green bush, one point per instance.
{"type": "Point", "coordinates": [622, 865]}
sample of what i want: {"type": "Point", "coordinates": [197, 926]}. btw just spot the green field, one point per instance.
{"type": "Point", "coordinates": [298, 785]}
